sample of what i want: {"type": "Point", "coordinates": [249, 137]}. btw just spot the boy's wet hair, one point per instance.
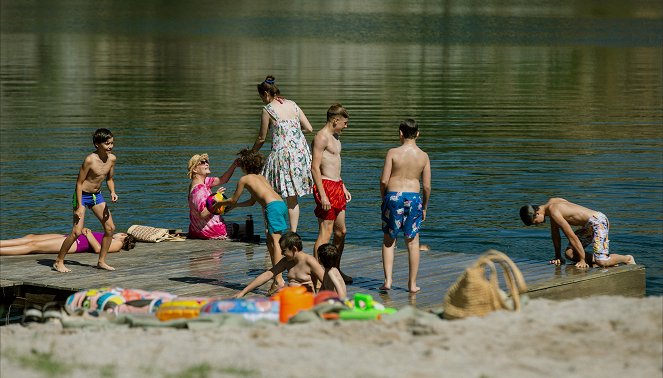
{"type": "Point", "coordinates": [194, 161]}
{"type": "Point", "coordinates": [269, 85]}
{"type": "Point", "coordinates": [101, 135]}
{"type": "Point", "coordinates": [328, 255]}
{"type": "Point", "coordinates": [129, 242]}
{"type": "Point", "coordinates": [409, 128]}
{"type": "Point", "coordinates": [250, 161]}
{"type": "Point", "coordinates": [336, 110]}
{"type": "Point", "coordinates": [527, 214]}
{"type": "Point", "coordinates": [291, 240]}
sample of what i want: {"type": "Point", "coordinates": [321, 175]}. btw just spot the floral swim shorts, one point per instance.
{"type": "Point", "coordinates": [595, 232]}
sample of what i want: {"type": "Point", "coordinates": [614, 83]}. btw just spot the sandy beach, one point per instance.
{"type": "Point", "coordinates": [591, 337]}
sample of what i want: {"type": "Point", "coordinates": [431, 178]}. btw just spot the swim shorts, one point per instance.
{"type": "Point", "coordinates": [276, 217]}
{"type": "Point", "coordinates": [401, 211]}
{"type": "Point", "coordinates": [89, 199]}
{"type": "Point", "coordinates": [595, 232]}
{"type": "Point", "coordinates": [336, 196]}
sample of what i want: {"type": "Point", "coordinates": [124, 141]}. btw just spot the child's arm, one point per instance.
{"type": "Point", "coordinates": [262, 134]}
{"type": "Point", "coordinates": [226, 176]}
{"type": "Point", "coordinates": [231, 203]}
{"type": "Point", "coordinates": [426, 184]}
{"type": "Point", "coordinates": [386, 174]}
{"type": "Point", "coordinates": [80, 180]}
{"type": "Point", "coordinates": [339, 284]}
{"type": "Point", "coordinates": [110, 182]}
{"type": "Point", "coordinates": [263, 278]}
{"type": "Point", "coordinates": [557, 218]}
{"type": "Point", "coordinates": [317, 271]}
{"type": "Point", "coordinates": [319, 145]}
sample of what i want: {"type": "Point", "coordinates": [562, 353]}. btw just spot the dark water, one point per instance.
{"type": "Point", "coordinates": [518, 101]}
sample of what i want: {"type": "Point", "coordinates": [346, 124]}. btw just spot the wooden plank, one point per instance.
{"type": "Point", "coordinates": [221, 268]}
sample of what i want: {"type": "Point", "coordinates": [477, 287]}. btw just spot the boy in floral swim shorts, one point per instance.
{"type": "Point", "coordinates": [403, 208]}
{"type": "Point", "coordinates": [594, 230]}
{"type": "Point", "coordinates": [331, 195]}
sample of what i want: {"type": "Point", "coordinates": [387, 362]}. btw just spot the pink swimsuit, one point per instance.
{"type": "Point", "coordinates": [83, 245]}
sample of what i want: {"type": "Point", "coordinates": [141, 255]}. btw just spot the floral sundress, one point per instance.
{"type": "Point", "coordinates": [288, 166]}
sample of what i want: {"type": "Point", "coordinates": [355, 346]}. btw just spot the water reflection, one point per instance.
{"type": "Point", "coordinates": [518, 102]}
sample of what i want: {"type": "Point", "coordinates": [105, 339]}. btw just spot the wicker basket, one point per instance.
{"type": "Point", "coordinates": [477, 294]}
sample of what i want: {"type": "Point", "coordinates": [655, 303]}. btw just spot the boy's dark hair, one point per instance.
{"type": "Point", "coordinates": [336, 110]}
{"type": "Point", "coordinates": [250, 161]}
{"type": "Point", "coordinates": [101, 135]}
{"type": "Point", "coordinates": [291, 240]}
{"type": "Point", "coordinates": [269, 85]}
{"type": "Point", "coordinates": [129, 243]}
{"type": "Point", "coordinates": [527, 214]}
{"type": "Point", "coordinates": [328, 255]}
{"type": "Point", "coordinates": [409, 128]}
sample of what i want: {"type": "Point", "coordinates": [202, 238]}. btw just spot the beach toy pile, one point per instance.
{"type": "Point", "coordinates": [282, 307]}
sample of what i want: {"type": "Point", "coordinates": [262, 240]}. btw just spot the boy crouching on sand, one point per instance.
{"type": "Point", "coordinates": [403, 208]}
{"type": "Point", "coordinates": [302, 269]}
{"type": "Point", "coordinates": [594, 230]}
{"type": "Point", "coordinates": [276, 211]}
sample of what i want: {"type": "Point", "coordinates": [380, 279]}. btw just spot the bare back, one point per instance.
{"type": "Point", "coordinates": [408, 164]}
{"type": "Point", "coordinates": [574, 214]}
{"type": "Point", "coordinates": [95, 170]}
{"type": "Point", "coordinates": [259, 188]}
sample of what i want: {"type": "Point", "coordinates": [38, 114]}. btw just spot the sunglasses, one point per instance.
{"type": "Point", "coordinates": [203, 162]}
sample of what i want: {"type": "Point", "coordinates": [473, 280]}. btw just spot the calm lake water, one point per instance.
{"type": "Point", "coordinates": [517, 102]}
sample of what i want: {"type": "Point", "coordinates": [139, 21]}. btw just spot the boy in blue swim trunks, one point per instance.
{"type": "Point", "coordinates": [594, 227]}
{"type": "Point", "coordinates": [403, 207]}
{"type": "Point", "coordinates": [275, 210]}
{"type": "Point", "coordinates": [97, 167]}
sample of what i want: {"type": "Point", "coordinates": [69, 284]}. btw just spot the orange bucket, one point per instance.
{"type": "Point", "coordinates": [293, 299]}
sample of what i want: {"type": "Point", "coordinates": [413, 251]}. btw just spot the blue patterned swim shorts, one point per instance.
{"type": "Point", "coordinates": [401, 211]}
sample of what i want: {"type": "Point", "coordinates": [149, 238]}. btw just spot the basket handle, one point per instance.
{"type": "Point", "coordinates": [512, 275]}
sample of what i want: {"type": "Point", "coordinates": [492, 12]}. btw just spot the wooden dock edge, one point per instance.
{"type": "Point", "coordinates": [626, 280]}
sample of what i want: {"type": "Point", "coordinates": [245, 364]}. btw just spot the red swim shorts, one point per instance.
{"type": "Point", "coordinates": [336, 196]}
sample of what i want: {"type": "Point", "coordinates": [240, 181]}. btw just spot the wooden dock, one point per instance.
{"type": "Point", "coordinates": [220, 268]}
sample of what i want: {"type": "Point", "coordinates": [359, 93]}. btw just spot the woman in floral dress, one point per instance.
{"type": "Point", "coordinates": [288, 166]}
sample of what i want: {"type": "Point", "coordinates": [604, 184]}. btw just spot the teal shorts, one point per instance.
{"type": "Point", "coordinates": [276, 217]}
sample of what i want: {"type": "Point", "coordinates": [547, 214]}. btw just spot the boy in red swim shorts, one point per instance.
{"type": "Point", "coordinates": [331, 195]}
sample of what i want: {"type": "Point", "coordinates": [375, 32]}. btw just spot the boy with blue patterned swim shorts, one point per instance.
{"type": "Point", "coordinates": [275, 209]}
{"type": "Point", "coordinates": [403, 207]}
{"type": "Point", "coordinates": [594, 227]}
{"type": "Point", "coordinates": [97, 167]}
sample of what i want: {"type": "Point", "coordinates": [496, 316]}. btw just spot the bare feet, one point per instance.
{"type": "Point", "coordinates": [424, 247]}
{"type": "Point", "coordinates": [61, 268]}
{"type": "Point", "coordinates": [385, 286]}
{"type": "Point", "coordinates": [631, 260]}
{"type": "Point", "coordinates": [416, 289]}
{"type": "Point", "coordinates": [102, 265]}
{"type": "Point", "coordinates": [275, 288]}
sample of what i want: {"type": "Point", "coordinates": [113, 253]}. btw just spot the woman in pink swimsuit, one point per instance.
{"type": "Point", "coordinates": [203, 224]}
{"type": "Point", "coordinates": [88, 241]}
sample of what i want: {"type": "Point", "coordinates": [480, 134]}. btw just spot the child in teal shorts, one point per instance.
{"type": "Point", "coordinates": [276, 211]}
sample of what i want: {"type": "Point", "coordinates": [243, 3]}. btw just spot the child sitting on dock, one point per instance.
{"type": "Point", "coordinates": [403, 208]}
{"type": "Point", "coordinates": [594, 230]}
{"type": "Point", "coordinates": [332, 280]}
{"type": "Point", "coordinates": [97, 167]}
{"type": "Point", "coordinates": [276, 211]}
{"type": "Point", "coordinates": [302, 269]}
